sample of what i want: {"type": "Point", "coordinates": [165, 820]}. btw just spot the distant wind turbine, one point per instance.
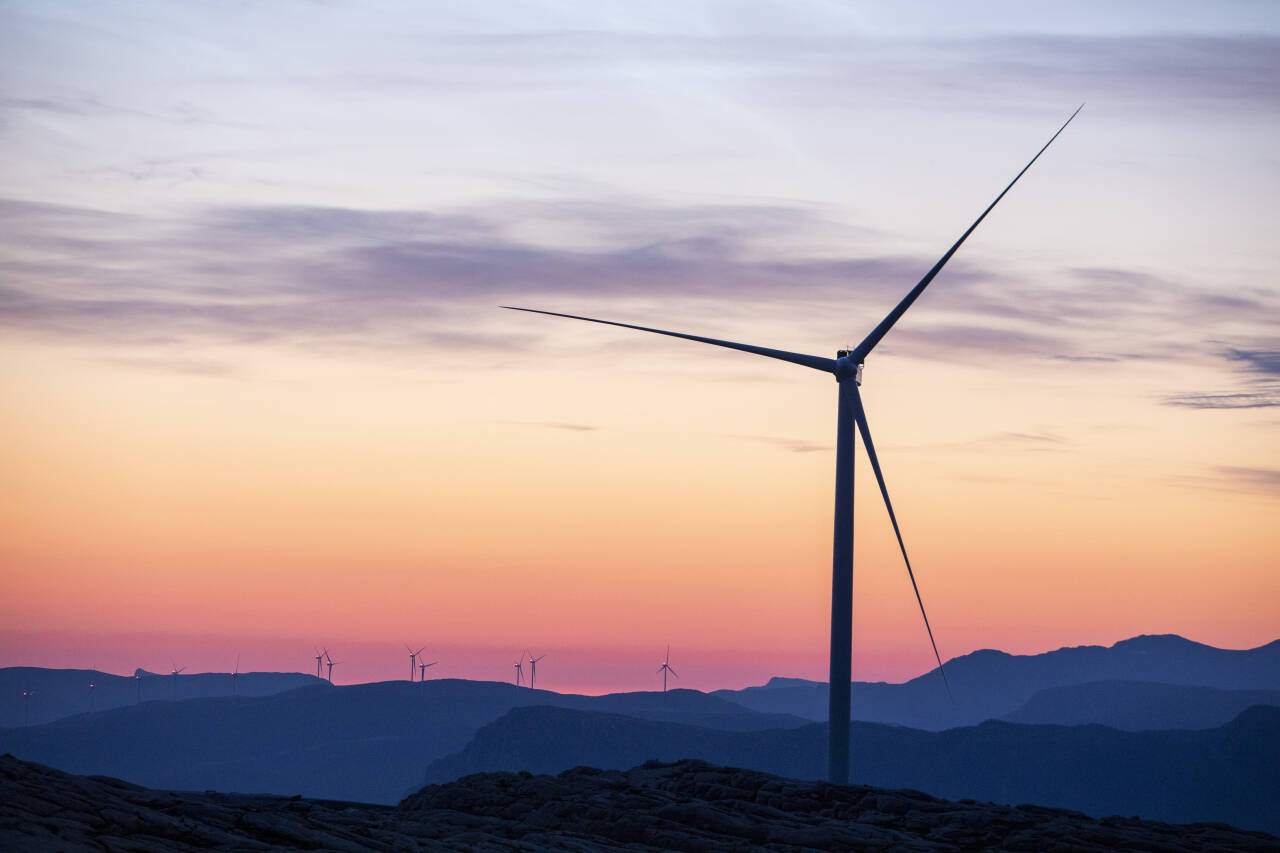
{"type": "Point", "coordinates": [665, 668]}
{"type": "Point", "coordinates": [422, 668]}
{"type": "Point", "coordinates": [519, 665]}
{"type": "Point", "coordinates": [413, 659]}
{"type": "Point", "coordinates": [235, 676]}
{"type": "Point", "coordinates": [533, 668]}
{"type": "Point", "coordinates": [174, 673]}
{"type": "Point", "coordinates": [331, 663]}
{"type": "Point", "coordinates": [846, 367]}
{"type": "Point", "coordinates": [319, 657]}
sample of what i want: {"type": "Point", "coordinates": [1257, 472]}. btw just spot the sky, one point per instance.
{"type": "Point", "coordinates": [257, 394]}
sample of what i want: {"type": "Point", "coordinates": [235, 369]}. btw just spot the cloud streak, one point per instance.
{"type": "Point", "coordinates": [343, 280]}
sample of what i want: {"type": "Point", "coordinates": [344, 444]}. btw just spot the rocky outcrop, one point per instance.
{"type": "Point", "coordinates": [685, 806]}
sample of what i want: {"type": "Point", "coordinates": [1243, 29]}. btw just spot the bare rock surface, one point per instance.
{"type": "Point", "coordinates": [685, 806]}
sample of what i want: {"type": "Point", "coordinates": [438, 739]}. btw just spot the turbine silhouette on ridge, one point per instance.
{"type": "Point", "coordinates": [519, 667]}
{"type": "Point", "coordinates": [533, 667]}
{"type": "Point", "coordinates": [413, 659]}
{"type": "Point", "coordinates": [665, 668]}
{"type": "Point", "coordinates": [846, 367]}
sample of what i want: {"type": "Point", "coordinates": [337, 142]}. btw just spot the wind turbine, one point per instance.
{"type": "Point", "coordinates": [519, 665]}
{"type": "Point", "coordinates": [422, 668]}
{"type": "Point", "coordinates": [846, 367]}
{"type": "Point", "coordinates": [174, 672]}
{"type": "Point", "coordinates": [413, 659]}
{"type": "Point", "coordinates": [331, 663]}
{"type": "Point", "coordinates": [665, 668]}
{"type": "Point", "coordinates": [235, 676]}
{"type": "Point", "coordinates": [319, 657]}
{"type": "Point", "coordinates": [533, 667]}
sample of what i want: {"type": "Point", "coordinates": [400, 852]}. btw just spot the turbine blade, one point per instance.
{"type": "Point", "coordinates": [673, 672]}
{"type": "Point", "coordinates": [864, 349]}
{"type": "Point", "coordinates": [860, 416]}
{"type": "Point", "coordinates": [816, 362]}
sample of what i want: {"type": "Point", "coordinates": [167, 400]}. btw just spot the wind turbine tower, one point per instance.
{"type": "Point", "coordinates": [176, 669]}
{"type": "Point", "coordinates": [519, 665]}
{"type": "Point", "coordinates": [331, 663]}
{"type": "Point", "coordinates": [422, 668]}
{"type": "Point", "coordinates": [413, 660]}
{"type": "Point", "coordinates": [533, 668]}
{"type": "Point", "coordinates": [665, 668]}
{"type": "Point", "coordinates": [319, 658]}
{"type": "Point", "coordinates": [846, 368]}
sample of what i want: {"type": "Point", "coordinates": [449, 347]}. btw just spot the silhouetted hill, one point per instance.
{"type": "Point", "coordinates": [58, 693]}
{"type": "Point", "coordinates": [1229, 774]}
{"type": "Point", "coordinates": [989, 684]}
{"type": "Point", "coordinates": [687, 806]}
{"type": "Point", "coordinates": [1139, 705]}
{"type": "Point", "coordinates": [364, 742]}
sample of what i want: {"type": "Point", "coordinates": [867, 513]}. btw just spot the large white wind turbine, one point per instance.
{"type": "Point", "coordinates": [846, 367]}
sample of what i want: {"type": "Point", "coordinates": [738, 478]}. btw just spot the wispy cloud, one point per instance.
{"type": "Point", "coordinates": [795, 445]}
{"type": "Point", "coordinates": [342, 280]}
{"type": "Point", "coordinates": [1260, 374]}
{"type": "Point", "coordinates": [558, 425]}
{"type": "Point", "coordinates": [1230, 478]}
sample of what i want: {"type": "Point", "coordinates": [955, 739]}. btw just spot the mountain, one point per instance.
{"type": "Point", "coordinates": [58, 693]}
{"type": "Point", "coordinates": [686, 806]}
{"type": "Point", "coordinates": [989, 684]}
{"type": "Point", "coordinates": [1139, 705]}
{"type": "Point", "coordinates": [1229, 774]}
{"type": "Point", "coordinates": [363, 742]}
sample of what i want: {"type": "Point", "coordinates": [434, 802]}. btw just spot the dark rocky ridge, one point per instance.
{"type": "Point", "coordinates": [1229, 774]}
{"type": "Point", "coordinates": [685, 806]}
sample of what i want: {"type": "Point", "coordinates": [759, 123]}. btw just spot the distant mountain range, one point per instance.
{"type": "Point", "coordinates": [1139, 705]}
{"type": "Point", "coordinates": [375, 742]}
{"type": "Point", "coordinates": [988, 684]}
{"type": "Point", "coordinates": [58, 693]}
{"type": "Point", "coordinates": [369, 742]}
{"type": "Point", "coordinates": [1229, 774]}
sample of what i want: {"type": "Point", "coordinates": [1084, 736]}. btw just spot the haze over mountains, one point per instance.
{"type": "Point", "coordinates": [368, 742]}
{"type": "Point", "coordinates": [58, 693]}
{"type": "Point", "coordinates": [989, 684]}
{"type": "Point", "coordinates": [378, 742]}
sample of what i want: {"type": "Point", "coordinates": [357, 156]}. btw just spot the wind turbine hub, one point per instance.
{"type": "Point", "coordinates": [846, 368]}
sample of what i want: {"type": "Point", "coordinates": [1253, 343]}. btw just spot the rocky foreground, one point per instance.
{"type": "Point", "coordinates": [686, 805]}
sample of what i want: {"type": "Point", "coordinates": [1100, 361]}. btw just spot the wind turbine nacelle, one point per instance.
{"type": "Point", "coordinates": [846, 369]}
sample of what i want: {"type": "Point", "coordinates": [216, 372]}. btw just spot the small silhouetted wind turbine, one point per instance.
{"type": "Point", "coordinates": [422, 668]}
{"type": "Point", "coordinates": [519, 665]}
{"type": "Point", "coordinates": [176, 669]}
{"type": "Point", "coordinates": [331, 663]}
{"type": "Point", "coordinates": [665, 668]}
{"type": "Point", "coordinates": [846, 367]}
{"type": "Point", "coordinates": [413, 659]}
{"type": "Point", "coordinates": [533, 668]}
{"type": "Point", "coordinates": [319, 657]}
{"type": "Point", "coordinates": [235, 676]}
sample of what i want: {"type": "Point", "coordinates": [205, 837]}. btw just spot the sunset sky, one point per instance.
{"type": "Point", "coordinates": [257, 394]}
